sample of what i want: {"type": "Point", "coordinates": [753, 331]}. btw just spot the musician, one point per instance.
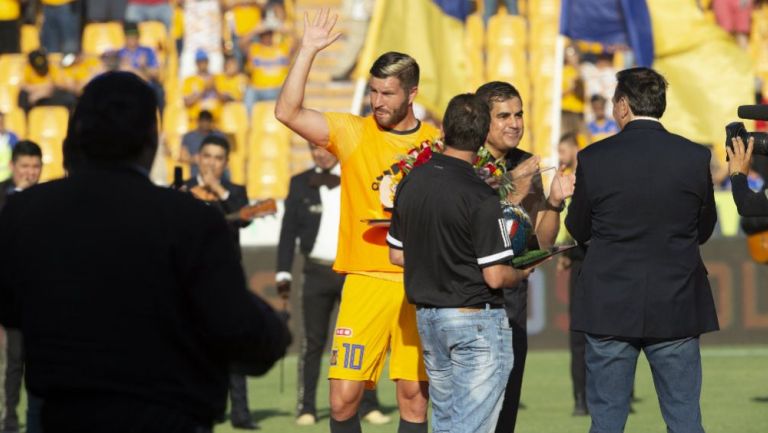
{"type": "Point", "coordinates": [229, 198]}
{"type": "Point", "coordinates": [749, 203]}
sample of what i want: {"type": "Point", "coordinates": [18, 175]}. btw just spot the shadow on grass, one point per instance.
{"type": "Point", "coordinates": [262, 414]}
{"type": "Point", "coordinates": [760, 399]}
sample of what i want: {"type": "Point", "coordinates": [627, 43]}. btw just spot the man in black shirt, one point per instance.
{"type": "Point", "coordinates": [504, 134]}
{"type": "Point", "coordinates": [130, 297]}
{"type": "Point", "coordinates": [458, 252]}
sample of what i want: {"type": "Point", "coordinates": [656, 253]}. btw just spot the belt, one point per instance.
{"type": "Point", "coordinates": [484, 306]}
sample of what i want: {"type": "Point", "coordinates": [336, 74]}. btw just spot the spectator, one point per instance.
{"type": "Point", "coordinates": [26, 166]}
{"type": "Point", "coordinates": [105, 10]}
{"type": "Point", "coordinates": [734, 16]}
{"type": "Point", "coordinates": [245, 15]}
{"type": "Point", "coordinates": [202, 32]}
{"type": "Point", "coordinates": [61, 26]}
{"type": "Point", "coordinates": [193, 140]}
{"type": "Point", "coordinates": [141, 60]}
{"type": "Point", "coordinates": [232, 84]}
{"type": "Point", "coordinates": [601, 127]}
{"type": "Point", "coordinates": [10, 26]}
{"type": "Point", "coordinates": [268, 62]}
{"type": "Point", "coordinates": [600, 79]}
{"type": "Point", "coordinates": [572, 102]}
{"type": "Point", "coordinates": [199, 90]}
{"type": "Point", "coordinates": [7, 141]}
{"type": "Point", "coordinates": [44, 84]}
{"type": "Point", "coordinates": [149, 350]}
{"type": "Point", "coordinates": [149, 10]}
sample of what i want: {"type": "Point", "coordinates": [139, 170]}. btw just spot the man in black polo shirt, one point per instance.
{"type": "Point", "coordinates": [450, 224]}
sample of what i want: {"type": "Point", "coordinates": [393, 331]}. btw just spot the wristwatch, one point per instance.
{"type": "Point", "coordinates": [548, 206]}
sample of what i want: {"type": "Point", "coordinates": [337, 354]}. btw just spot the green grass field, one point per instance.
{"type": "Point", "coordinates": [734, 398]}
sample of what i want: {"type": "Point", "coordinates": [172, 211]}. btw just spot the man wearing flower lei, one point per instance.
{"type": "Point", "coordinates": [524, 197]}
{"type": "Point", "coordinates": [374, 315]}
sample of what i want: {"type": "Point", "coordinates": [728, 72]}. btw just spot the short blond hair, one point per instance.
{"type": "Point", "coordinates": [398, 65]}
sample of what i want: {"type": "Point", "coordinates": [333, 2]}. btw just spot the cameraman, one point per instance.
{"type": "Point", "coordinates": [749, 204]}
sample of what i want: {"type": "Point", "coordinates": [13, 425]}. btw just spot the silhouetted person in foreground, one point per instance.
{"type": "Point", "coordinates": [131, 298]}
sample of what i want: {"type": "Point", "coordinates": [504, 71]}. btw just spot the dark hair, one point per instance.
{"type": "Point", "coordinates": [466, 122]}
{"type": "Point", "coordinates": [497, 91]}
{"type": "Point", "coordinates": [205, 115]}
{"type": "Point", "coordinates": [569, 136]}
{"type": "Point", "coordinates": [26, 148]}
{"type": "Point", "coordinates": [131, 28]}
{"type": "Point", "coordinates": [645, 90]}
{"type": "Point", "coordinates": [215, 140]}
{"type": "Point", "coordinates": [398, 65]}
{"type": "Point", "coordinates": [597, 97]}
{"type": "Point", "coordinates": [114, 121]}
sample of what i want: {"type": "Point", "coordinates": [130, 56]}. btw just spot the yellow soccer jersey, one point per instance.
{"type": "Point", "coordinates": [366, 153]}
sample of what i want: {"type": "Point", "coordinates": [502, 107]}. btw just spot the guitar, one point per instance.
{"type": "Point", "coordinates": [757, 244]}
{"type": "Point", "coordinates": [256, 210]}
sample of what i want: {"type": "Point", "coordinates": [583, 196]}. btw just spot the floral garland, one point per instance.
{"type": "Point", "coordinates": [487, 166]}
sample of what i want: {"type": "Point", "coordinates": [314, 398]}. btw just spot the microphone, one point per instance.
{"type": "Point", "coordinates": [178, 180]}
{"type": "Point", "coordinates": [753, 112]}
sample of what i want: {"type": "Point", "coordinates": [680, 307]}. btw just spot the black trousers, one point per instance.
{"type": "Point", "coordinates": [14, 372]}
{"type": "Point", "coordinates": [10, 36]}
{"type": "Point", "coordinates": [321, 293]}
{"type": "Point", "coordinates": [516, 304]}
{"type": "Point", "coordinates": [238, 398]}
{"type": "Point", "coordinates": [577, 342]}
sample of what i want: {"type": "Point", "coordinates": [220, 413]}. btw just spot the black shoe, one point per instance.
{"type": "Point", "coordinates": [245, 424]}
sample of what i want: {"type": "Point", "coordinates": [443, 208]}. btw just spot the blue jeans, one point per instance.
{"type": "Point", "coordinates": [253, 95]}
{"type": "Point", "coordinates": [136, 13]}
{"type": "Point", "coordinates": [676, 370]}
{"type": "Point", "coordinates": [468, 355]}
{"type": "Point", "coordinates": [490, 7]}
{"type": "Point", "coordinates": [61, 29]}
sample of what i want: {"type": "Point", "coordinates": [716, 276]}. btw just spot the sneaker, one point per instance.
{"type": "Point", "coordinates": [306, 419]}
{"type": "Point", "coordinates": [375, 417]}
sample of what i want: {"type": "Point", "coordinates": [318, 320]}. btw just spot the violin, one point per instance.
{"type": "Point", "coordinates": [203, 193]}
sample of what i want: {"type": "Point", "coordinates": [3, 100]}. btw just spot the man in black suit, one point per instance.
{"type": "Point", "coordinates": [645, 202]}
{"type": "Point", "coordinates": [131, 298]}
{"type": "Point", "coordinates": [26, 167]}
{"type": "Point", "coordinates": [228, 198]}
{"type": "Point", "coordinates": [312, 216]}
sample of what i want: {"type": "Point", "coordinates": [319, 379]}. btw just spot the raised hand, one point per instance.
{"type": "Point", "coordinates": [739, 157]}
{"type": "Point", "coordinates": [562, 187]}
{"type": "Point", "coordinates": [317, 33]}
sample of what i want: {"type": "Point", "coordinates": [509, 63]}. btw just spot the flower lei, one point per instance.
{"type": "Point", "coordinates": [487, 166]}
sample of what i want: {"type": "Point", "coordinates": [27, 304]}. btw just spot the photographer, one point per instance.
{"type": "Point", "coordinates": [749, 204]}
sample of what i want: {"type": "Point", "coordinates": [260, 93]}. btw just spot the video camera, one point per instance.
{"type": "Point", "coordinates": [737, 129]}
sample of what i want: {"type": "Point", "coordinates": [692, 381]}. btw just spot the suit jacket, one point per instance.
{"type": "Point", "coordinates": [238, 198]}
{"type": "Point", "coordinates": [644, 200]}
{"type": "Point", "coordinates": [303, 210]}
{"type": "Point", "coordinates": [125, 290]}
{"type": "Point", "coordinates": [6, 186]}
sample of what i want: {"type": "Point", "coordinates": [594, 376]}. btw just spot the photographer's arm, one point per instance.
{"type": "Point", "coordinates": [748, 203]}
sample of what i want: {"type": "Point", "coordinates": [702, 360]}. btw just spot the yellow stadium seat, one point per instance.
{"type": "Point", "coordinates": [12, 69]}
{"type": "Point", "coordinates": [267, 179]}
{"type": "Point", "coordinates": [544, 9]}
{"type": "Point", "coordinates": [234, 122]}
{"type": "Point", "coordinates": [16, 121]}
{"type": "Point", "coordinates": [175, 125]}
{"type": "Point", "coordinates": [507, 31]}
{"type": "Point", "coordinates": [506, 65]}
{"type": "Point", "coordinates": [9, 96]}
{"type": "Point", "coordinates": [758, 39]}
{"type": "Point", "coordinates": [153, 34]}
{"type": "Point", "coordinates": [30, 38]}
{"type": "Point", "coordinates": [101, 37]}
{"type": "Point", "coordinates": [48, 127]}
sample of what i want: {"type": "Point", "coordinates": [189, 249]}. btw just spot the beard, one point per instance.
{"type": "Point", "coordinates": [396, 116]}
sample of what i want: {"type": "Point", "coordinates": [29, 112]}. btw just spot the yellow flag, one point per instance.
{"type": "Point", "coordinates": [421, 29]}
{"type": "Point", "coordinates": [709, 75]}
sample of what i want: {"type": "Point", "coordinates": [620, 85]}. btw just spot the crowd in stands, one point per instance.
{"type": "Point", "coordinates": [208, 53]}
